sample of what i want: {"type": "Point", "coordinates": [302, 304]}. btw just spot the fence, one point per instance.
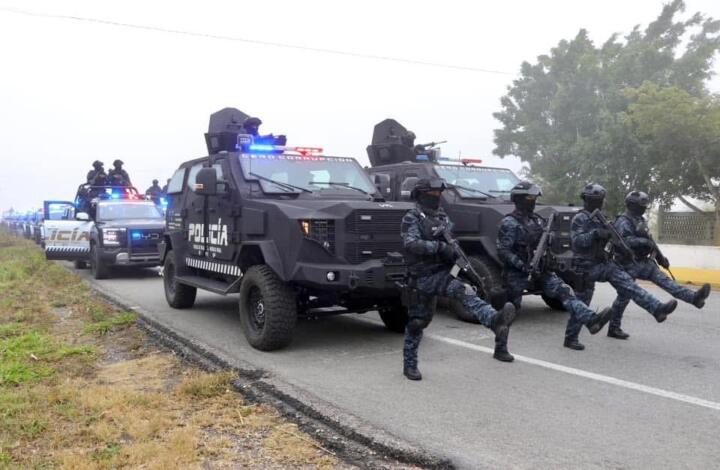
{"type": "Point", "coordinates": [686, 228]}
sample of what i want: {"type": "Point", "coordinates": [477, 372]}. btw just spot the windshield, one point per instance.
{"type": "Point", "coordinates": [120, 211]}
{"type": "Point", "coordinates": [296, 173]}
{"type": "Point", "coordinates": [478, 182]}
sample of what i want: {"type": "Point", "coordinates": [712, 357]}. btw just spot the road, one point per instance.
{"type": "Point", "coordinates": [650, 402]}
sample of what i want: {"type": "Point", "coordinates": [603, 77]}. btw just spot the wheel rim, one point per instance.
{"type": "Point", "coordinates": [256, 309]}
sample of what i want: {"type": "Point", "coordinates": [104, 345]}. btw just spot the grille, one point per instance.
{"type": "Point", "coordinates": [374, 221]}
{"type": "Point", "coordinates": [146, 243]}
{"type": "Point", "coordinates": [372, 234]}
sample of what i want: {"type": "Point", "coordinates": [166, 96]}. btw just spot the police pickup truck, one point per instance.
{"type": "Point", "coordinates": [476, 203]}
{"type": "Point", "coordinates": [112, 226]}
{"type": "Point", "coordinates": [294, 232]}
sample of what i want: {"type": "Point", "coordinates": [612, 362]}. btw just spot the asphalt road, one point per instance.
{"type": "Point", "coordinates": [650, 402]}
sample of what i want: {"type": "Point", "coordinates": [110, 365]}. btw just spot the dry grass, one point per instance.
{"type": "Point", "coordinates": [80, 388]}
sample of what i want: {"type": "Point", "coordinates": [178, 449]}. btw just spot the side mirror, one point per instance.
{"type": "Point", "coordinates": [82, 216]}
{"type": "Point", "coordinates": [206, 182]}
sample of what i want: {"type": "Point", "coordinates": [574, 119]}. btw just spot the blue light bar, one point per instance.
{"type": "Point", "coordinates": [136, 235]}
{"type": "Point", "coordinates": [261, 148]}
{"type": "Point", "coordinates": [422, 158]}
{"type": "Point", "coordinates": [163, 202]}
{"type": "Point", "coordinates": [114, 196]}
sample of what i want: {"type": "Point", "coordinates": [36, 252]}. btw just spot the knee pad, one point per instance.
{"type": "Point", "coordinates": [417, 324]}
{"type": "Point", "coordinates": [470, 290]}
{"type": "Point", "coordinates": [565, 293]}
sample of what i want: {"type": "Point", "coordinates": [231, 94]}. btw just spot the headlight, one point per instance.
{"type": "Point", "coordinates": [113, 236]}
{"type": "Point", "coordinates": [320, 231]}
{"type": "Point", "coordinates": [305, 225]}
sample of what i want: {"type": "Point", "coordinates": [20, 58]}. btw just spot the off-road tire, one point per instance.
{"type": "Point", "coordinates": [490, 291]}
{"type": "Point", "coordinates": [97, 266]}
{"type": "Point", "coordinates": [268, 309]}
{"type": "Point", "coordinates": [80, 264]}
{"type": "Point", "coordinates": [177, 295]}
{"type": "Point", "coordinates": [394, 316]}
{"type": "Point", "coordinates": [555, 304]}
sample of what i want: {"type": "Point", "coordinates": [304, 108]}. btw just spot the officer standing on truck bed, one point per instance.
{"type": "Point", "coordinates": [97, 168]}
{"type": "Point", "coordinates": [117, 176]}
{"type": "Point", "coordinates": [154, 191]}
{"type": "Point", "coordinates": [633, 228]}
{"type": "Point", "coordinates": [518, 238]}
{"type": "Point", "coordinates": [591, 242]}
{"type": "Point", "coordinates": [429, 264]}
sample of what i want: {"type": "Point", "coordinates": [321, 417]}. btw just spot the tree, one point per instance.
{"type": "Point", "coordinates": [566, 114]}
{"type": "Point", "coordinates": [680, 136]}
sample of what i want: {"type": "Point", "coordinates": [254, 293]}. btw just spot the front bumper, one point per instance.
{"type": "Point", "coordinates": [370, 277]}
{"type": "Point", "coordinates": [125, 257]}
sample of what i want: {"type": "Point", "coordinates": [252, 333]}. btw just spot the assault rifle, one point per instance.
{"type": "Point", "coordinates": [541, 249]}
{"type": "Point", "coordinates": [615, 239]}
{"type": "Point", "coordinates": [462, 262]}
{"type": "Point", "coordinates": [655, 254]}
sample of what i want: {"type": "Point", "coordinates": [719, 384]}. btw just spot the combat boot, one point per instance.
{"type": "Point", "coordinates": [574, 344]}
{"type": "Point", "coordinates": [502, 354]}
{"type": "Point", "coordinates": [599, 320]}
{"type": "Point", "coordinates": [665, 309]}
{"type": "Point", "coordinates": [503, 318]}
{"type": "Point", "coordinates": [412, 373]}
{"type": "Point", "coordinates": [700, 296]}
{"type": "Point", "coordinates": [617, 332]}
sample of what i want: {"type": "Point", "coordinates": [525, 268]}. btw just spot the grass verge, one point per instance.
{"type": "Point", "coordinates": [81, 387]}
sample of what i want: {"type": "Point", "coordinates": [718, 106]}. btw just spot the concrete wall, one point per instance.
{"type": "Point", "coordinates": [696, 257]}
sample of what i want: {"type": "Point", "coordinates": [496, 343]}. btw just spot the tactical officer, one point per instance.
{"type": "Point", "coordinates": [252, 127]}
{"type": "Point", "coordinates": [633, 228]}
{"type": "Point", "coordinates": [408, 139]}
{"type": "Point", "coordinates": [517, 240]}
{"type": "Point", "coordinates": [593, 250]}
{"type": "Point", "coordinates": [154, 191]}
{"type": "Point", "coordinates": [117, 175]}
{"type": "Point", "coordinates": [97, 168]}
{"type": "Point", "coordinates": [429, 262]}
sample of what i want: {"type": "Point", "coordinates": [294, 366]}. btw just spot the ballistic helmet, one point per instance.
{"type": "Point", "coordinates": [424, 185]}
{"type": "Point", "coordinates": [638, 198]}
{"type": "Point", "coordinates": [525, 188]}
{"type": "Point", "coordinates": [593, 191]}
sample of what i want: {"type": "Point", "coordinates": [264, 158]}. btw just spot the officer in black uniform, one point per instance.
{"type": "Point", "coordinates": [117, 176]}
{"type": "Point", "coordinates": [593, 260]}
{"type": "Point", "coordinates": [252, 127]}
{"type": "Point", "coordinates": [517, 240]}
{"type": "Point", "coordinates": [154, 191]}
{"type": "Point", "coordinates": [633, 228]}
{"type": "Point", "coordinates": [97, 168]}
{"type": "Point", "coordinates": [429, 263]}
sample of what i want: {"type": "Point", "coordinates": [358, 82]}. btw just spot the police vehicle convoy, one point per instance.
{"type": "Point", "coordinates": [294, 232]}
{"type": "Point", "coordinates": [110, 226]}
{"type": "Point", "coordinates": [477, 200]}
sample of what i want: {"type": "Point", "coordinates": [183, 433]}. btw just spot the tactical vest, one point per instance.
{"type": "Point", "coordinates": [419, 265]}
{"type": "Point", "coordinates": [532, 229]}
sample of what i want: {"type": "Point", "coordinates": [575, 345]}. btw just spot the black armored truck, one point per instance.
{"type": "Point", "coordinates": [294, 232]}
{"type": "Point", "coordinates": [478, 199]}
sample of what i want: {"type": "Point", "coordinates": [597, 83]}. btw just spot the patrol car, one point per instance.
{"type": "Point", "coordinates": [107, 226]}
{"type": "Point", "coordinates": [294, 232]}
{"type": "Point", "coordinates": [476, 203]}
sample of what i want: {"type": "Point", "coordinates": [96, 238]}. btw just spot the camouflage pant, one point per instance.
{"type": "Point", "coordinates": [420, 313]}
{"type": "Point", "coordinates": [552, 286]}
{"type": "Point", "coordinates": [624, 285]}
{"type": "Point", "coordinates": [648, 271]}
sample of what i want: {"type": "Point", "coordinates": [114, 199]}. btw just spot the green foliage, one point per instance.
{"type": "Point", "coordinates": [567, 114]}
{"type": "Point", "coordinates": [114, 323]}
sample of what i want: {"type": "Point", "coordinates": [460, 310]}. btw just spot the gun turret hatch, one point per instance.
{"type": "Point", "coordinates": [393, 143]}
{"type": "Point", "coordinates": [225, 125]}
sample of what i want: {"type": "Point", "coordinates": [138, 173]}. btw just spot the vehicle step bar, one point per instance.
{"type": "Point", "coordinates": [212, 285]}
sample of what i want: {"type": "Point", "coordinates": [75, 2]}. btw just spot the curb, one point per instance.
{"type": "Point", "coordinates": [355, 441]}
{"type": "Point", "coordinates": [696, 277]}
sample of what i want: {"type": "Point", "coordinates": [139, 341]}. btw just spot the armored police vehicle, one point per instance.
{"type": "Point", "coordinates": [112, 226]}
{"type": "Point", "coordinates": [294, 232]}
{"type": "Point", "coordinates": [476, 202]}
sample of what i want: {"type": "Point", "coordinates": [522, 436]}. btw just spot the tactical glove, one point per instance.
{"type": "Point", "coordinates": [663, 261]}
{"type": "Point", "coordinates": [446, 251]}
{"type": "Point", "coordinates": [602, 233]}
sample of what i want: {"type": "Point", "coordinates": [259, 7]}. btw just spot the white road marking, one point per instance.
{"type": "Point", "coordinates": [578, 372]}
{"type": "Point", "coordinates": [588, 375]}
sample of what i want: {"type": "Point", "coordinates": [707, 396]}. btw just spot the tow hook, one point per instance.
{"type": "Point", "coordinates": [353, 281]}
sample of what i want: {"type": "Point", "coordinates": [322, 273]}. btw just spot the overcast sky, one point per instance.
{"type": "Point", "coordinates": [72, 92]}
